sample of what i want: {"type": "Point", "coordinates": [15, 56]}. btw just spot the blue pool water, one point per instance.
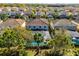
{"type": "Point", "coordinates": [36, 44]}
{"type": "Point", "coordinates": [76, 41]}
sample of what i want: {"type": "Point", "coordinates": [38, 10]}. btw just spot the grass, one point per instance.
{"type": "Point", "coordinates": [31, 52]}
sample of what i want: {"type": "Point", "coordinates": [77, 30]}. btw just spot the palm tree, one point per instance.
{"type": "Point", "coordinates": [51, 28]}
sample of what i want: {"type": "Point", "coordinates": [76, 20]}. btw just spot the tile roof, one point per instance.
{"type": "Point", "coordinates": [14, 21]}
{"type": "Point", "coordinates": [37, 22]}
{"type": "Point", "coordinates": [11, 23]}
{"type": "Point", "coordinates": [74, 33]}
{"type": "Point", "coordinates": [77, 20]}
{"type": "Point", "coordinates": [64, 23]}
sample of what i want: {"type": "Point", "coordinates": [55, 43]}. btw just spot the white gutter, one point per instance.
{"type": "Point", "coordinates": [75, 23]}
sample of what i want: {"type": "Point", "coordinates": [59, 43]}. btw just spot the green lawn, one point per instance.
{"type": "Point", "coordinates": [31, 52]}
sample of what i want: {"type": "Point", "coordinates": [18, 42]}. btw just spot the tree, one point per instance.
{"type": "Point", "coordinates": [4, 17]}
{"type": "Point", "coordinates": [55, 14]}
{"type": "Point", "coordinates": [32, 14]}
{"type": "Point", "coordinates": [18, 16]}
{"type": "Point", "coordinates": [51, 28]}
{"type": "Point", "coordinates": [14, 38]}
{"type": "Point", "coordinates": [26, 34]}
{"type": "Point", "coordinates": [38, 38]}
{"type": "Point", "coordinates": [60, 43]}
{"type": "Point", "coordinates": [70, 16]}
{"type": "Point", "coordinates": [21, 5]}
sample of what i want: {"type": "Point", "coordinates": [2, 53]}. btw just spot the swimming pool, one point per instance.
{"type": "Point", "coordinates": [75, 41]}
{"type": "Point", "coordinates": [40, 44]}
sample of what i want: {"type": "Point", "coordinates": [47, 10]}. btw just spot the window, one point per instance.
{"type": "Point", "coordinates": [44, 26]}
{"type": "Point", "coordinates": [39, 26]}
{"type": "Point", "coordinates": [34, 26]}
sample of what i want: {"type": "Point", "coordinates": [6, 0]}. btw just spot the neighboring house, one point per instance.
{"type": "Point", "coordinates": [42, 13]}
{"type": "Point", "coordinates": [12, 23]}
{"type": "Point", "coordinates": [65, 24]}
{"type": "Point", "coordinates": [49, 14]}
{"type": "Point", "coordinates": [3, 12]}
{"type": "Point", "coordinates": [8, 8]}
{"type": "Point", "coordinates": [38, 13]}
{"type": "Point", "coordinates": [21, 9]}
{"type": "Point", "coordinates": [75, 37]}
{"type": "Point", "coordinates": [62, 14]}
{"type": "Point", "coordinates": [75, 13]}
{"type": "Point", "coordinates": [76, 17]}
{"type": "Point", "coordinates": [12, 14]}
{"type": "Point", "coordinates": [21, 13]}
{"type": "Point", "coordinates": [27, 13]}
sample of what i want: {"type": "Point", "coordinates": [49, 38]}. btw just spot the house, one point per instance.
{"type": "Point", "coordinates": [38, 13]}
{"type": "Point", "coordinates": [75, 37]}
{"type": "Point", "coordinates": [37, 25]}
{"type": "Point", "coordinates": [76, 17]}
{"type": "Point", "coordinates": [62, 14]}
{"type": "Point", "coordinates": [49, 14]}
{"type": "Point", "coordinates": [3, 12]}
{"type": "Point", "coordinates": [65, 24]}
{"type": "Point", "coordinates": [6, 9]}
{"type": "Point", "coordinates": [12, 23]}
{"type": "Point", "coordinates": [20, 12]}
{"type": "Point", "coordinates": [12, 14]}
